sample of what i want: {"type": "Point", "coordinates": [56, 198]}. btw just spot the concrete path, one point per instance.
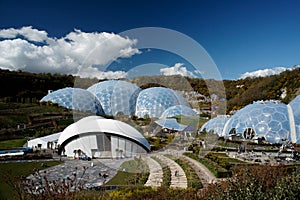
{"type": "Point", "coordinates": [156, 173]}
{"type": "Point", "coordinates": [178, 177]}
{"type": "Point", "coordinates": [91, 178]}
{"type": "Point", "coordinates": [204, 174]}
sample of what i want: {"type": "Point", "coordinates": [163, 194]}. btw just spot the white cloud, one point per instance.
{"type": "Point", "coordinates": [264, 72]}
{"type": "Point", "coordinates": [177, 69]}
{"type": "Point", "coordinates": [91, 72]}
{"type": "Point", "coordinates": [77, 51]}
{"type": "Point", "coordinates": [27, 32]}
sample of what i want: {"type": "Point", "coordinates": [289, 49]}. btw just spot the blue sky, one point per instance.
{"type": "Point", "coordinates": [240, 36]}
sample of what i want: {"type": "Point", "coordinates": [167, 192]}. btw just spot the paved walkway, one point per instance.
{"type": "Point", "coordinates": [178, 178]}
{"type": "Point", "coordinates": [156, 173]}
{"type": "Point", "coordinates": [91, 178]}
{"type": "Point", "coordinates": [204, 174]}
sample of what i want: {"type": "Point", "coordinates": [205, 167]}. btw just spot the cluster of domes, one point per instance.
{"type": "Point", "coordinates": [114, 97]}
{"type": "Point", "coordinates": [272, 121]}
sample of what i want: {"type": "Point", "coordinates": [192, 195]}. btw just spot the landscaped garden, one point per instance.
{"type": "Point", "coordinates": [190, 173]}
{"type": "Point", "coordinates": [10, 174]}
{"type": "Point", "coordinates": [132, 172]}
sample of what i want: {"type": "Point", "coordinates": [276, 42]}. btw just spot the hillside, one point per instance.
{"type": "Point", "coordinates": [24, 87]}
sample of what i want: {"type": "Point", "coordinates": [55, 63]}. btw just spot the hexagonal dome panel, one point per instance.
{"type": "Point", "coordinates": [116, 96]}
{"type": "Point", "coordinates": [154, 101]}
{"type": "Point", "coordinates": [178, 110]}
{"type": "Point", "coordinates": [215, 125]}
{"type": "Point", "coordinates": [268, 120]}
{"type": "Point", "coordinates": [76, 99]}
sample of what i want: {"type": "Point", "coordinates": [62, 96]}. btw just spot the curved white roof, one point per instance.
{"type": "Point", "coordinates": [98, 124]}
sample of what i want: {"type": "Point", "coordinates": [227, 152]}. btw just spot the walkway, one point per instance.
{"type": "Point", "coordinates": [178, 178]}
{"type": "Point", "coordinates": [94, 169]}
{"type": "Point", "coordinates": [156, 173]}
{"type": "Point", "coordinates": [204, 174]}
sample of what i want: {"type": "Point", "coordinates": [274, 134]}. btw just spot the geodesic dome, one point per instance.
{"type": "Point", "coordinates": [154, 101]}
{"type": "Point", "coordinates": [76, 99]}
{"type": "Point", "coordinates": [265, 120]}
{"type": "Point", "coordinates": [116, 96]}
{"type": "Point", "coordinates": [216, 125]}
{"type": "Point", "coordinates": [178, 110]}
{"type": "Point", "coordinates": [295, 106]}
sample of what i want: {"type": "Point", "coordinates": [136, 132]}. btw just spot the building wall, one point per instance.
{"type": "Point", "coordinates": [104, 146]}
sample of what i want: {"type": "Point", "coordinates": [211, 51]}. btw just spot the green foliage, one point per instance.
{"type": "Point", "coordinates": [192, 178]}
{"type": "Point", "coordinates": [216, 169]}
{"type": "Point", "coordinates": [6, 144]}
{"type": "Point", "coordinates": [256, 182]}
{"type": "Point", "coordinates": [159, 142]}
{"type": "Point", "coordinates": [147, 193]}
{"type": "Point", "coordinates": [14, 170]}
{"type": "Point", "coordinates": [170, 138]}
{"type": "Point", "coordinates": [223, 160]}
{"type": "Point", "coordinates": [132, 172]}
{"type": "Point", "coordinates": [26, 87]}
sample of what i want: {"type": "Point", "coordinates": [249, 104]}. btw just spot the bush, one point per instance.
{"type": "Point", "coordinates": [148, 193]}
{"type": "Point", "coordinates": [256, 182]}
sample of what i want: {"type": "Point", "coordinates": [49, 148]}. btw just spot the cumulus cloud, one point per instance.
{"type": "Point", "coordinates": [76, 53]}
{"type": "Point", "coordinates": [91, 72]}
{"type": "Point", "coordinates": [27, 32]}
{"type": "Point", "coordinates": [264, 72]}
{"type": "Point", "coordinates": [177, 69]}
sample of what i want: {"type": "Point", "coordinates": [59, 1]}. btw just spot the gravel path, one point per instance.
{"type": "Point", "coordinates": [204, 174]}
{"type": "Point", "coordinates": [156, 173]}
{"type": "Point", "coordinates": [178, 177]}
{"type": "Point", "coordinates": [91, 178]}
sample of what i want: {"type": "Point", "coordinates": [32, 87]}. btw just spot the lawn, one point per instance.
{"type": "Point", "coordinates": [15, 169]}
{"type": "Point", "coordinates": [7, 144]}
{"type": "Point", "coordinates": [132, 172]}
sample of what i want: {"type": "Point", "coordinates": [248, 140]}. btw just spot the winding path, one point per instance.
{"type": "Point", "coordinates": [204, 174]}
{"type": "Point", "coordinates": [156, 173]}
{"type": "Point", "coordinates": [178, 177]}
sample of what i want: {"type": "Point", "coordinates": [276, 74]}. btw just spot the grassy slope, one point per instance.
{"type": "Point", "coordinates": [127, 176]}
{"type": "Point", "coordinates": [7, 144]}
{"type": "Point", "coordinates": [12, 114]}
{"type": "Point", "coordinates": [11, 170]}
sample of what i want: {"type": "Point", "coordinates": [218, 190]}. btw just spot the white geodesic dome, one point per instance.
{"type": "Point", "coordinates": [270, 121]}
{"type": "Point", "coordinates": [116, 96]}
{"type": "Point", "coordinates": [76, 99]}
{"type": "Point", "coordinates": [154, 101]}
